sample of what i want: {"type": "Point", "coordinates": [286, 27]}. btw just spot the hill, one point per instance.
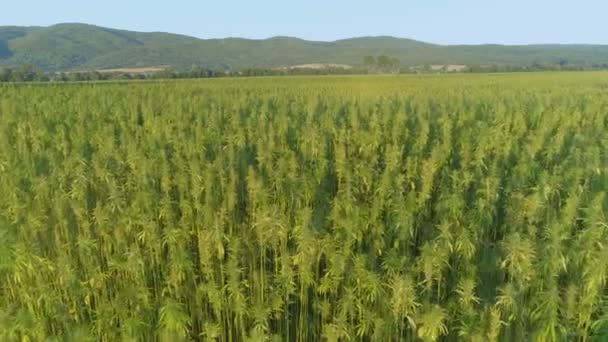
{"type": "Point", "coordinates": [82, 46]}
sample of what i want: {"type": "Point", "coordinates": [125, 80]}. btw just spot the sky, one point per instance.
{"type": "Point", "coordinates": [435, 21]}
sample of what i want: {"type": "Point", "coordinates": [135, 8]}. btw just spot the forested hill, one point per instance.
{"type": "Point", "coordinates": [80, 46]}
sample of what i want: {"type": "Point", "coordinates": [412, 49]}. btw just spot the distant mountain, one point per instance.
{"type": "Point", "coordinates": [81, 46]}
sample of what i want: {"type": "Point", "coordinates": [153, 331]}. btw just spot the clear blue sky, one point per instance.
{"type": "Point", "coordinates": [437, 21]}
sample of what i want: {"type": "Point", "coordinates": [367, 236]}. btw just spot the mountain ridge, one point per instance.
{"type": "Point", "coordinates": [73, 46]}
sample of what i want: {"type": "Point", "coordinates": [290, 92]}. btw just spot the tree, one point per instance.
{"type": "Point", "coordinates": [6, 74]}
{"type": "Point", "coordinates": [27, 73]}
{"type": "Point", "coordinates": [369, 61]}
{"type": "Point", "coordinates": [198, 72]}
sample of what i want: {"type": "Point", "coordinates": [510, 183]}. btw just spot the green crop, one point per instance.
{"type": "Point", "coordinates": [422, 208]}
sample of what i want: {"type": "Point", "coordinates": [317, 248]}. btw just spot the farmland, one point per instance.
{"type": "Point", "coordinates": [410, 208]}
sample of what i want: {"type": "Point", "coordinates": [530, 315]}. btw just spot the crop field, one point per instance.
{"type": "Point", "coordinates": [369, 208]}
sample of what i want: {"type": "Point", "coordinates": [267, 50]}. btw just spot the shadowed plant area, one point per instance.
{"type": "Point", "coordinates": [4, 50]}
{"type": "Point", "coordinates": [410, 208]}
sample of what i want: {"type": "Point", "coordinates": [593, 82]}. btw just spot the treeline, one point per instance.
{"type": "Point", "coordinates": [24, 73]}
{"type": "Point", "coordinates": [382, 64]}
{"type": "Point", "coordinates": [371, 65]}
{"type": "Point", "coordinates": [31, 73]}
{"type": "Point", "coordinates": [34, 74]}
{"type": "Point", "coordinates": [536, 67]}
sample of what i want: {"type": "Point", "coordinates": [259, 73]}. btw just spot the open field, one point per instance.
{"type": "Point", "coordinates": [318, 66]}
{"type": "Point", "coordinates": [132, 71]}
{"type": "Point", "coordinates": [449, 67]}
{"type": "Point", "coordinates": [395, 208]}
{"type": "Point", "coordinates": [146, 70]}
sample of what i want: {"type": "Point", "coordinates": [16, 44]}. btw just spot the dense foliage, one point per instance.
{"type": "Point", "coordinates": [382, 66]}
{"type": "Point", "coordinates": [30, 73]}
{"type": "Point", "coordinates": [357, 208]}
{"type": "Point", "coordinates": [66, 47]}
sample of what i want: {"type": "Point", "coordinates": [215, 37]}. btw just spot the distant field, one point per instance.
{"type": "Point", "coordinates": [318, 66]}
{"type": "Point", "coordinates": [147, 70]}
{"type": "Point", "coordinates": [131, 71]}
{"type": "Point", "coordinates": [366, 208]}
{"type": "Point", "coordinates": [448, 67]}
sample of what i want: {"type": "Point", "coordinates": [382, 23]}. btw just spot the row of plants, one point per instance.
{"type": "Point", "coordinates": [347, 208]}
